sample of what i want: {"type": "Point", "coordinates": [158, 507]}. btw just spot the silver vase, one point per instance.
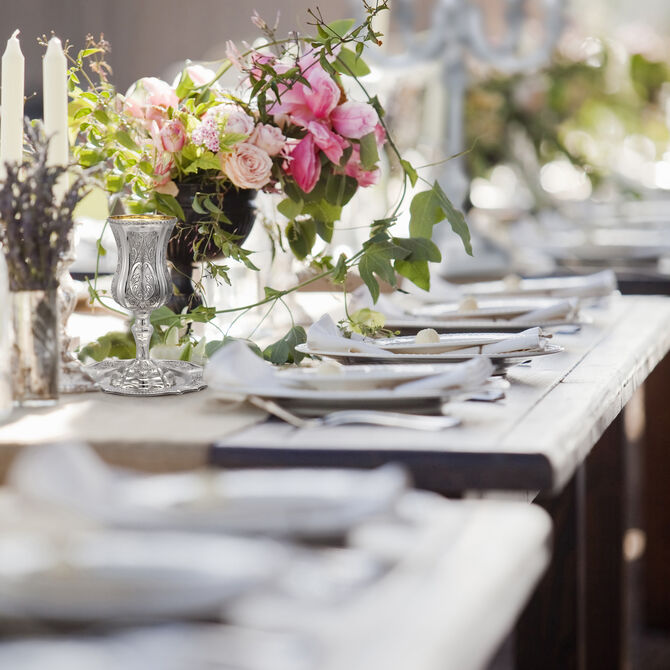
{"type": "Point", "coordinates": [36, 348]}
{"type": "Point", "coordinates": [142, 284]}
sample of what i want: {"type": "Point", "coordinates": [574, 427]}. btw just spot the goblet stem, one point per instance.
{"type": "Point", "coordinates": [142, 330]}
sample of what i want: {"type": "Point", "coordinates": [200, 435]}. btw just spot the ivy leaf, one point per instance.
{"type": "Point", "coordinates": [202, 314]}
{"type": "Point", "coordinates": [323, 211]}
{"type": "Point", "coordinates": [324, 229]}
{"type": "Point", "coordinates": [116, 343]}
{"type": "Point", "coordinates": [169, 205]}
{"type": "Point", "coordinates": [409, 171]}
{"type": "Point", "coordinates": [419, 248]}
{"type": "Point", "coordinates": [290, 208]}
{"type": "Point", "coordinates": [124, 139]}
{"type": "Point", "coordinates": [416, 271]}
{"type": "Point", "coordinates": [301, 236]}
{"type": "Point", "coordinates": [432, 206]}
{"type": "Point", "coordinates": [340, 27]}
{"type": "Point", "coordinates": [369, 153]}
{"type": "Point", "coordinates": [272, 292]}
{"type": "Point", "coordinates": [376, 260]}
{"type": "Point", "coordinates": [283, 350]}
{"type": "Point", "coordinates": [347, 62]}
{"type": "Point", "coordinates": [340, 271]}
{"type": "Point", "coordinates": [185, 85]}
{"type": "Point", "coordinates": [340, 189]}
{"type": "Point", "coordinates": [454, 217]}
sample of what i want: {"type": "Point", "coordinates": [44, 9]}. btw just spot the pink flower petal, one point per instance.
{"type": "Point", "coordinates": [354, 119]}
{"type": "Point", "coordinates": [304, 164]}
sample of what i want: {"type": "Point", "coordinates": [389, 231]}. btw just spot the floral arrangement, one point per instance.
{"type": "Point", "coordinates": [289, 129]}
{"type": "Point", "coordinates": [35, 226]}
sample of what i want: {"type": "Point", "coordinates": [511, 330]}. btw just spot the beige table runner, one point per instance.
{"type": "Point", "coordinates": [154, 434]}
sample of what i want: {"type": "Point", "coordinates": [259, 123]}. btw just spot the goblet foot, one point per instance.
{"type": "Point", "coordinates": [142, 375]}
{"type": "Point", "coordinates": [147, 377]}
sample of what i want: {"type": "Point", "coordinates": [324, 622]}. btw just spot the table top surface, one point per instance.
{"type": "Point", "coordinates": [553, 414]}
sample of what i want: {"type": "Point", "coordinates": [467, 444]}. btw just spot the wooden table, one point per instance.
{"type": "Point", "coordinates": [554, 413]}
{"type": "Point", "coordinates": [557, 414]}
{"type": "Point", "coordinates": [549, 435]}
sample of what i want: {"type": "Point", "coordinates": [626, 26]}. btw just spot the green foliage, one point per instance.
{"type": "Point", "coordinates": [283, 350]}
{"type": "Point", "coordinates": [114, 344]}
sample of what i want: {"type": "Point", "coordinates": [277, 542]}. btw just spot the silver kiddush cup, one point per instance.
{"type": "Point", "coordinates": [142, 284]}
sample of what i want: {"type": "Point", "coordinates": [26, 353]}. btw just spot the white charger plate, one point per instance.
{"type": "Point", "coordinates": [126, 576]}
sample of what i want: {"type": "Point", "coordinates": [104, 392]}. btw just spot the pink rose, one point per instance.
{"type": "Point", "coordinates": [329, 142]}
{"type": "Point", "coordinates": [149, 98]}
{"type": "Point", "coordinates": [173, 136]}
{"type": "Point", "coordinates": [269, 138]}
{"type": "Point", "coordinates": [304, 164]}
{"type": "Point", "coordinates": [354, 119]}
{"type": "Point", "coordinates": [247, 166]}
{"type": "Point", "coordinates": [239, 122]}
{"type": "Point", "coordinates": [354, 169]}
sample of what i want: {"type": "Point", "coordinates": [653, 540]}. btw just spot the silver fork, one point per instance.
{"type": "Point", "coordinates": [355, 416]}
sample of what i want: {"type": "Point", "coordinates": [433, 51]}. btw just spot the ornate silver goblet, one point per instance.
{"type": "Point", "coordinates": [142, 284]}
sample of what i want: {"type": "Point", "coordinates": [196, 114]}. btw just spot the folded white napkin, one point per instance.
{"type": "Point", "coordinates": [527, 339]}
{"type": "Point", "coordinates": [236, 365]}
{"type": "Point", "coordinates": [468, 375]}
{"type": "Point", "coordinates": [562, 309]}
{"type": "Point", "coordinates": [324, 335]}
{"type": "Point", "coordinates": [594, 285]}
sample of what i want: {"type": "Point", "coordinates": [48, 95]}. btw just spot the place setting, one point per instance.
{"type": "Point", "coordinates": [325, 339]}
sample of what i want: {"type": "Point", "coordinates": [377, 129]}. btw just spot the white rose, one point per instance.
{"type": "Point", "coordinates": [247, 166]}
{"type": "Point", "coordinates": [269, 138]}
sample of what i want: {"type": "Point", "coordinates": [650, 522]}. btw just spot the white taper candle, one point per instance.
{"type": "Point", "coordinates": [54, 78]}
{"type": "Point", "coordinates": [11, 107]}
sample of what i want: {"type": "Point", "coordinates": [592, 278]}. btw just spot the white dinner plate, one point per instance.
{"type": "Point", "coordinates": [449, 342]}
{"type": "Point", "coordinates": [359, 377]}
{"type": "Point", "coordinates": [126, 576]}
{"type": "Point", "coordinates": [490, 308]}
{"type": "Point", "coordinates": [501, 361]}
{"type": "Point", "coordinates": [414, 324]}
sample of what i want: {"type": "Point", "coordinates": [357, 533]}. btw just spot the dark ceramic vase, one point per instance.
{"type": "Point", "coordinates": [237, 205]}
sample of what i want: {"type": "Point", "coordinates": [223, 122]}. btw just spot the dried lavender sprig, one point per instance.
{"type": "Point", "coordinates": [34, 227]}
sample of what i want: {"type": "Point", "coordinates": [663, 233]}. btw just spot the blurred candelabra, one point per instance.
{"type": "Point", "coordinates": [457, 31]}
